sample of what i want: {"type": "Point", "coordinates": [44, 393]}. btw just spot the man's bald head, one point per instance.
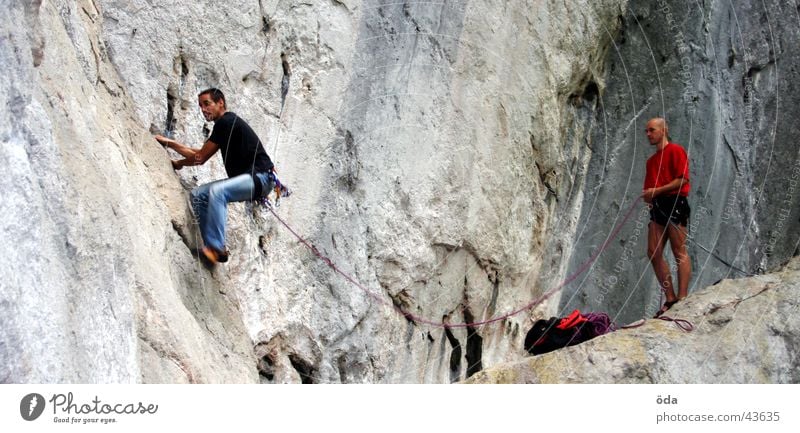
{"type": "Point", "coordinates": [656, 131]}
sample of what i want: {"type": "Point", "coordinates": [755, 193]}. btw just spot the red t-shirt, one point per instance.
{"type": "Point", "coordinates": [667, 165]}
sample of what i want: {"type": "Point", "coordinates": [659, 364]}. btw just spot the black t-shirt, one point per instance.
{"type": "Point", "coordinates": [241, 148]}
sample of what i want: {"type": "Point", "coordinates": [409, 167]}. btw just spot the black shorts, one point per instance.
{"type": "Point", "coordinates": [667, 208]}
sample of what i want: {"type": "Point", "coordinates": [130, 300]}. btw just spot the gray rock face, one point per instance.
{"type": "Point", "coordinates": [445, 155]}
{"type": "Point", "coordinates": [97, 286]}
{"type": "Point", "coordinates": [722, 74]}
{"type": "Point", "coordinates": [745, 331]}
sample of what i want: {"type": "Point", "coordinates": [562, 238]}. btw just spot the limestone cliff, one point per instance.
{"type": "Point", "coordinates": [96, 285]}
{"type": "Point", "coordinates": [442, 153]}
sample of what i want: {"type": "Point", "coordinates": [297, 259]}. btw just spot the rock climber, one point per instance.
{"type": "Point", "coordinates": [249, 168]}
{"type": "Point", "coordinates": [666, 188]}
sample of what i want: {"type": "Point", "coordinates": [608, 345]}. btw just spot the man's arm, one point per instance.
{"type": "Point", "coordinates": [650, 193]}
{"type": "Point", "coordinates": [185, 151]}
{"type": "Point", "coordinates": [191, 156]}
{"type": "Point", "coordinates": [198, 157]}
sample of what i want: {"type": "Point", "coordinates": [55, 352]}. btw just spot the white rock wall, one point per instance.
{"type": "Point", "coordinates": [97, 286]}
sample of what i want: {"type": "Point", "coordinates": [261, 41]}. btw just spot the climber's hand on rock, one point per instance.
{"type": "Point", "coordinates": [165, 141]}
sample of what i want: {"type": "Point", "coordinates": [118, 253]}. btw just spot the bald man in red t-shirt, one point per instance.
{"type": "Point", "coordinates": [666, 187]}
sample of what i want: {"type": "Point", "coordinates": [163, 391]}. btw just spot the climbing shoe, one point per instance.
{"type": "Point", "coordinates": [214, 255]}
{"type": "Point", "coordinates": [281, 191]}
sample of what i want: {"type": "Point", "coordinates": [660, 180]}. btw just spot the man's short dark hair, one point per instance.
{"type": "Point", "coordinates": [215, 93]}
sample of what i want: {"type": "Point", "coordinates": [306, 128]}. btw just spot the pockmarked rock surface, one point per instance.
{"type": "Point", "coordinates": [745, 331]}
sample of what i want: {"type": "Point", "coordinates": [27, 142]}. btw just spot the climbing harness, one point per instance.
{"type": "Point", "coordinates": [280, 190]}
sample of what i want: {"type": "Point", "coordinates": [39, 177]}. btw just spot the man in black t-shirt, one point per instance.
{"type": "Point", "coordinates": [249, 168]}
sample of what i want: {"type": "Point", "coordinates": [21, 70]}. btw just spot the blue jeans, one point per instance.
{"type": "Point", "coordinates": [210, 204]}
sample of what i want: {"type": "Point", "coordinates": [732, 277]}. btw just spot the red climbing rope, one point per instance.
{"type": "Point", "coordinates": [684, 324]}
{"type": "Point", "coordinates": [423, 320]}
